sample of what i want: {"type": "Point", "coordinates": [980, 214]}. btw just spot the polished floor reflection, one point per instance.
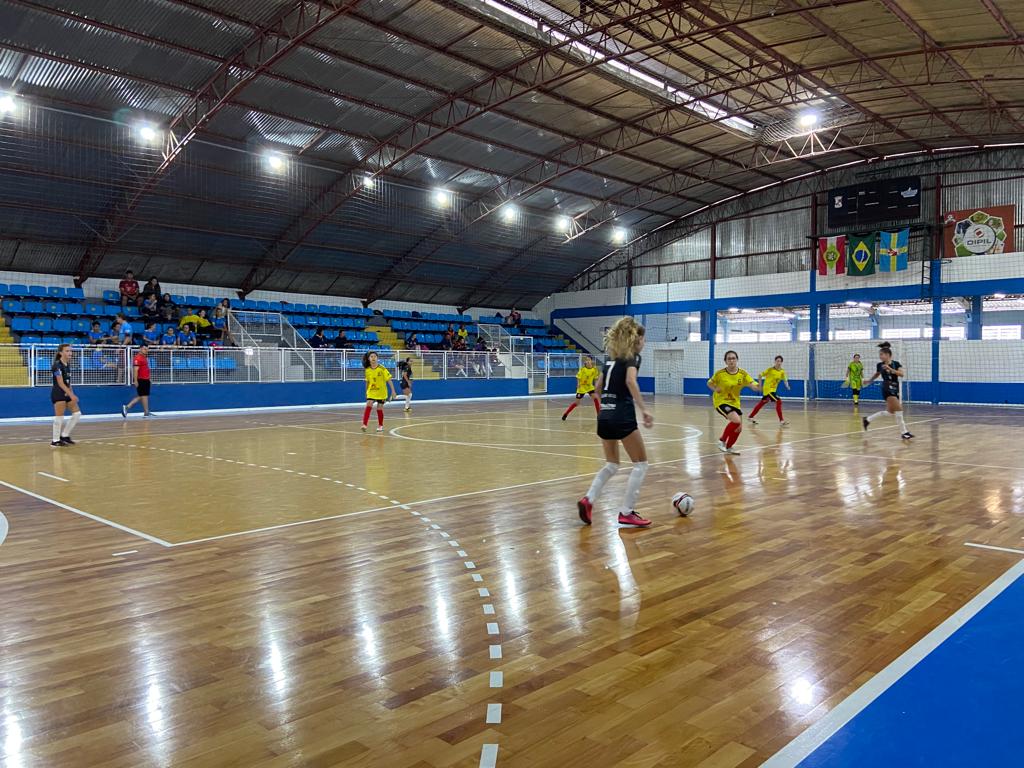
{"type": "Point", "coordinates": [283, 590]}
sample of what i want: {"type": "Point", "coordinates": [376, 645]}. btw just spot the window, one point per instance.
{"type": "Point", "coordinates": [1000, 332]}
{"type": "Point", "coordinates": [694, 335]}
{"type": "Point", "coordinates": [852, 335]}
{"type": "Point", "coordinates": [742, 336]}
{"type": "Point", "coordinates": [805, 335]}
{"type": "Point", "coordinates": [775, 336]}
{"type": "Point", "coordinates": [953, 332]}
{"type": "Point", "coordinates": [901, 333]}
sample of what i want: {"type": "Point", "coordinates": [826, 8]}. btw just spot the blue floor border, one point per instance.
{"type": "Point", "coordinates": [952, 699]}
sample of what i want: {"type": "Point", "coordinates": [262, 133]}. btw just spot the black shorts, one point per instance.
{"type": "Point", "coordinates": [142, 390]}
{"type": "Point", "coordinates": [725, 409]}
{"type": "Point", "coordinates": [581, 395]}
{"type": "Point", "coordinates": [378, 402]}
{"type": "Point", "coordinates": [770, 396]}
{"type": "Point", "coordinates": [59, 397]}
{"type": "Point", "coordinates": [406, 386]}
{"type": "Point", "coordinates": [889, 391]}
{"type": "Point", "coordinates": [617, 423]}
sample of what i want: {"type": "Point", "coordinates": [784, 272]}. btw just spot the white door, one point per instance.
{"type": "Point", "coordinates": [668, 371]}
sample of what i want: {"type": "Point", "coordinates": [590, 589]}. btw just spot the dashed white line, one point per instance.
{"type": "Point", "coordinates": [53, 477]}
{"type": "Point", "coordinates": [493, 714]}
{"type": "Point", "coordinates": [483, 592]}
{"type": "Point", "coordinates": [489, 756]}
{"type": "Point", "coordinates": [470, 564]}
{"type": "Point", "coordinates": [497, 680]}
{"type": "Point", "coordinates": [488, 609]}
{"type": "Point", "coordinates": [494, 651]}
{"type": "Point", "coordinates": [121, 554]}
{"type": "Point", "coordinates": [492, 628]}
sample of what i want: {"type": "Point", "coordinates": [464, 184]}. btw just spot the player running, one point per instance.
{"type": "Point", "coordinates": [770, 380]}
{"type": "Point", "coordinates": [616, 421]}
{"type": "Point", "coordinates": [585, 378]}
{"type": "Point", "coordinates": [727, 383]}
{"type": "Point", "coordinates": [855, 378]}
{"type": "Point", "coordinates": [891, 371]}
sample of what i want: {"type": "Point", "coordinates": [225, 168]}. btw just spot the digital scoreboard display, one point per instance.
{"type": "Point", "coordinates": [874, 202]}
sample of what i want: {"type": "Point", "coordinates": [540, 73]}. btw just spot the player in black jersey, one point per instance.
{"type": "Point", "coordinates": [63, 397]}
{"type": "Point", "coordinates": [891, 371]}
{"type": "Point", "coordinates": [616, 421]}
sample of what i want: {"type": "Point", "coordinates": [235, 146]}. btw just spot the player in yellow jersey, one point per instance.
{"type": "Point", "coordinates": [727, 383]}
{"type": "Point", "coordinates": [770, 380]}
{"type": "Point", "coordinates": [586, 376]}
{"type": "Point", "coordinates": [378, 379]}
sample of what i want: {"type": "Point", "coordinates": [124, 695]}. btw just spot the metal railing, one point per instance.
{"type": "Point", "coordinates": [30, 365]}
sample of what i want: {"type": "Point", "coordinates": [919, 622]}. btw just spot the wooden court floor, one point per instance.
{"type": "Point", "coordinates": [279, 589]}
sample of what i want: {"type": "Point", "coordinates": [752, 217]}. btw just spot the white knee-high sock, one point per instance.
{"type": "Point", "coordinates": [900, 422]}
{"type": "Point", "coordinates": [606, 473]}
{"type": "Point", "coordinates": [58, 423]}
{"type": "Point", "coordinates": [876, 415]}
{"type": "Point", "coordinates": [71, 424]}
{"type": "Point", "coordinates": [636, 479]}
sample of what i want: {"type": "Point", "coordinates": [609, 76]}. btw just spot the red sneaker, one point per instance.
{"type": "Point", "coordinates": [633, 519]}
{"type": "Point", "coordinates": [586, 509]}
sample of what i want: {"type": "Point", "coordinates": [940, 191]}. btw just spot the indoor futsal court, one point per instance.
{"type": "Point", "coordinates": [511, 383]}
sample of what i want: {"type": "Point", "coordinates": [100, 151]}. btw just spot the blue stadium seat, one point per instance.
{"type": "Point", "coordinates": [94, 309]}
{"type": "Point", "coordinates": [81, 325]}
{"type": "Point", "coordinates": [75, 293]}
{"type": "Point", "coordinates": [71, 340]}
{"type": "Point", "coordinates": [42, 324]}
{"type": "Point", "coordinates": [37, 290]}
{"type": "Point", "coordinates": [179, 363]}
{"type": "Point", "coordinates": [130, 311]}
{"type": "Point", "coordinates": [53, 308]}
{"type": "Point", "coordinates": [32, 339]}
{"type": "Point", "coordinates": [207, 302]}
{"type": "Point", "coordinates": [224, 363]}
{"type": "Point", "coordinates": [112, 311]}
{"type": "Point", "coordinates": [112, 296]}
{"type": "Point", "coordinates": [193, 301]}
{"type": "Point", "coordinates": [62, 325]}
{"type": "Point", "coordinates": [74, 309]}
{"type": "Point", "coordinates": [43, 362]}
{"type": "Point", "coordinates": [11, 306]}
{"type": "Point", "coordinates": [55, 292]}
{"type": "Point", "coordinates": [197, 363]}
{"type": "Point", "coordinates": [4, 289]}
{"type": "Point", "coordinates": [21, 324]}
{"type": "Point", "coordinates": [33, 307]}
{"type": "Point", "coordinates": [276, 306]}
{"type": "Point", "coordinates": [178, 299]}
{"type": "Point", "coordinates": [51, 340]}
{"type": "Point", "coordinates": [263, 306]}
{"type": "Point", "coordinates": [20, 291]}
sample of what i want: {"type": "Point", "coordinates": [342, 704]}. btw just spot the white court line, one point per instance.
{"type": "Point", "coordinates": [4, 527]}
{"type": "Point", "coordinates": [95, 518]}
{"type": "Point", "coordinates": [493, 714]}
{"type": "Point", "coordinates": [997, 549]}
{"type": "Point", "coordinates": [489, 756]}
{"type": "Point", "coordinates": [53, 477]}
{"type": "Point", "coordinates": [494, 651]}
{"type": "Point", "coordinates": [819, 732]}
{"type": "Point", "coordinates": [121, 554]}
{"type": "Point", "coordinates": [497, 679]}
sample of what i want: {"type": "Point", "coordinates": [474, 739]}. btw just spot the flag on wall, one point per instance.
{"type": "Point", "coordinates": [893, 250]}
{"type": "Point", "coordinates": [861, 259]}
{"type": "Point", "coordinates": [832, 255]}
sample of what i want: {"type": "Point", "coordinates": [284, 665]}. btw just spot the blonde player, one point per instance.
{"type": "Point", "coordinates": [727, 383]}
{"type": "Point", "coordinates": [378, 379]}
{"type": "Point", "coordinates": [616, 421]}
{"type": "Point", "coordinates": [586, 376]}
{"type": "Point", "coordinates": [770, 380]}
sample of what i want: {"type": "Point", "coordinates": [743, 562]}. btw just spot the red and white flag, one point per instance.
{"type": "Point", "coordinates": [832, 255]}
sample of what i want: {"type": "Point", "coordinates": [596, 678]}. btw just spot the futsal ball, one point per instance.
{"type": "Point", "coordinates": [683, 502]}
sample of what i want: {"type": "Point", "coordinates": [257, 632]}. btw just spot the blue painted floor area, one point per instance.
{"type": "Point", "coordinates": [962, 705]}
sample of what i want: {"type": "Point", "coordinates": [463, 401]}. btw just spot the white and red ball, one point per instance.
{"type": "Point", "coordinates": [683, 503]}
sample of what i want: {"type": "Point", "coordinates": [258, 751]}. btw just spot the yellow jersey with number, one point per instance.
{"type": "Point", "coordinates": [729, 386]}
{"type": "Point", "coordinates": [585, 379]}
{"type": "Point", "coordinates": [377, 383]}
{"type": "Point", "coordinates": [772, 378]}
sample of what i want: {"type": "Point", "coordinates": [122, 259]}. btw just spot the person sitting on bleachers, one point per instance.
{"type": "Point", "coordinates": [447, 341]}
{"type": "Point", "coordinates": [514, 317]}
{"type": "Point", "coordinates": [341, 341]}
{"type": "Point", "coordinates": [169, 338]}
{"type": "Point", "coordinates": [188, 317]}
{"type": "Point", "coordinates": [462, 333]}
{"type": "Point", "coordinates": [318, 340]}
{"type": "Point", "coordinates": [114, 336]}
{"type": "Point", "coordinates": [204, 328]}
{"type": "Point", "coordinates": [220, 312]}
{"type": "Point", "coordinates": [168, 309]}
{"type": "Point", "coordinates": [150, 336]}
{"type": "Point", "coordinates": [129, 290]}
{"type": "Point", "coordinates": [96, 336]}
{"type": "Point", "coordinates": [459, 344]}
{"type": "Point", "coordinates": [152, 288]}
{"type": "Point", "coordinates": [186, 338]}
{"type": "Point", "coordinates": [150, 307]}
{"type": "Point", "coordinates": [412, 341]}
{"type": "Point", "coordinates": [126, 333]}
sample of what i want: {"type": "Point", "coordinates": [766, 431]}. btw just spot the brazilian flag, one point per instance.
{"type": "Point", "coordinates": [860, 258]}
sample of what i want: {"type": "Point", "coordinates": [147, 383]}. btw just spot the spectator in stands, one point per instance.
{"type": "Point", "coordinates": [447, 341]}
{"type": "Point", "coordinates": [150, 307]}
{"type": "Point", "coordinates": [126, 332]}
{"type": "Point", "coordinates": [318, 340]}
{"type": "Point", "coordinates": [480, 346]}
{"type": "Point", "coordinates": [412, 341]}
{"type": "Point", "coordinates": [129, 290]}
{"type": "Point", "coordinates": [186, 338]}
{"type": "Point", "coordinates": [459, 344]}
{"type": "Point", "coordinates": [150, 336]}
{"type": "Point", "coordinates": [96, 336]}
{"type": "Point", "coordinates": [514, 317]}
{"type": "Point", "coordinates": [220, 312]}
{"type": "Point", "coordinates": [168, 309]}
{"type": "Point", "coordinates": [169, 337]}
{"type": "Point", "coordinates": [462, 332]}
{"type": "Point", "coordinates": [450, 329]}
{"type": "Point", "coordinates": [114, 336]}
{"type": "Point", "coordinates": [204, 328]}
{"type": "Point", "coordinates": [188, 317]}
{"type": "Point", "coordinates": [341, 341]}
{"type": "Point", "coordinates": [152, 288]}
{"type": "Point", "coordinates": [499, 317]}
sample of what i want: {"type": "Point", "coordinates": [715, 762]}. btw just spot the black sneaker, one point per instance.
{"type": "Point", "coordinates": [564, 416]}
{"type": "Point", "coordinates": [865, 422]}
{"type": "Point", "coordinates": [124, 411]}
{"type": "Point", "coordinates": [906, 436]}
{"type": "Point", "coordinates": [67, 441]}
{"type": "Point", "coordinates": [57, 444]}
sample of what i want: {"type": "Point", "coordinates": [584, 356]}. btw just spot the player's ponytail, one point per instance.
{"type": "Point", "coordinates": [622, 341]}
{"type": "Point", "coordinates": [60, 348]}
{"type": "Point", "coordinates": [366, 359]}
{"type": "Point", "coordinates": [886, 348]}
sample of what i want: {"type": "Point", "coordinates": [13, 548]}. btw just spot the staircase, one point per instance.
{"type": "Point", "coordinates": [421, 369]}
{"type": "Point", "coordinates": [13, 371]}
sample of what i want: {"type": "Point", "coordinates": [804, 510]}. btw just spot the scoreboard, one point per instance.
{"type": "Point", "coordinates": [874, 202]}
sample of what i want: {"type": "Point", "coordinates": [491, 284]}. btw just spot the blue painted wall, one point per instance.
{"type": "Point", "coordinates": [23, 402]}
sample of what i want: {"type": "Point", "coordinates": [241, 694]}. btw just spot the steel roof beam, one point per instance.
{"type": "Point", "coordinates": [286, 30]}
{"type": "Point", "coordinates": [1001, 20]}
